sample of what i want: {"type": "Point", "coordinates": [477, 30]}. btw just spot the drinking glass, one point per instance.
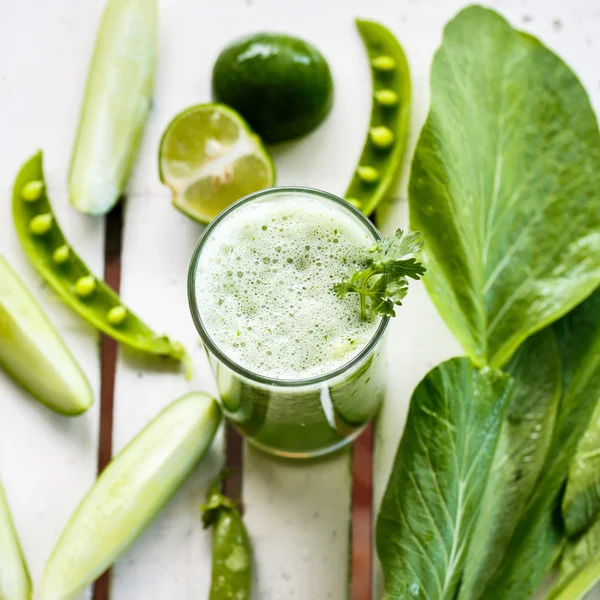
{"type": "Point", "coordinates": [298, 418]}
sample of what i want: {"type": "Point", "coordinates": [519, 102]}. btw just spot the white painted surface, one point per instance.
{"type": "Point", "coordinates": [298, 514]}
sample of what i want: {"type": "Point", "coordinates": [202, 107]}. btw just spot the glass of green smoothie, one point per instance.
{"type": "Point", "coordinates": [299, 372]}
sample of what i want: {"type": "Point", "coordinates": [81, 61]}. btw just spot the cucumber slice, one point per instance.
{"type": "Point", "coordinates": [32, 352]}
{"type": "Point", "coordinates": [15, 583]}
{"type": "Point", "coordinates": [115, 106]}
{"type": "Point", "coordinates": [129, 493]}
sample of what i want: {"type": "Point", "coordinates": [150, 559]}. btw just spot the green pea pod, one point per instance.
{"type": "Point", "coordinates": [55, 260]}
{"type": "Point", "coordinates": [116, 103]}
{"type": "Point", "coordinates": [381, 159]}
{"type": "Point", "coordinates": [232, 554]}
{"type": "Point", "coordinates": [32, 352]}
{"type": "Point", "coordinates": [129, 493]}
{"type": "Point", "coordinates": [15, 583]}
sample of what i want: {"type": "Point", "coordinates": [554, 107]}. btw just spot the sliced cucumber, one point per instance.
{"type": "Point", "coordinates": [115, 106]}
{"type": "Point", "coordinates": [15, 583]}
{"type": "Point", "coordinates": [129, 493]}
{"type": "Point", "coordinates": [32, 352]}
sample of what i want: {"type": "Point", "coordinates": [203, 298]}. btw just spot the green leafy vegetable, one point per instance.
{"type": "Point", "coordinates": [522, 448]}
{"type": "Point", "coordinates": [581, 502]}
{"type": "Point", "coordinates": [439, 478]}
{"type": "Point", "coordinates": [505, 186]}
{"type": "Point", "coordinates": [384, 279]}
{"type": "Point", "coordinates": [539, 537]}
{"type": "Point", "coordinates": [579, 567]}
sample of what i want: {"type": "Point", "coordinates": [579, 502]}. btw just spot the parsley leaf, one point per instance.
{"type": "Point", "coordinates": [383, 283]}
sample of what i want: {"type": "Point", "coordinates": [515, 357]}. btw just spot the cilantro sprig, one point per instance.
{"type": "Point", "coordinates": [383, 283]}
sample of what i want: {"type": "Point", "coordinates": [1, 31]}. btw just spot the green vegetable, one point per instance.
{"type": "Point", "coordinates": [387, 263]}
{"type": "Point", "coordinates": [280, 84]}
{"type": "Point", "coordinates": [61, 255]}
{"type": "Point", "coordinates": [129, 493]}
{"type": "Point", "coordinates": [15, 583]}
{"type": "Point", "coordinates": [522, 449]}
{"type": "Point", "coordinates": [539, 536]}
{"type": "Point", "coordinates": [581, 502]}
{"type": "Point", "coordinates": [41, 224]}
{"type": "Point", "coordinates": [384, 148]}
{"type": "Point", "coordinates": [33, 353]}
{"type": "Point", "coordinates": [85, 286]}
{"type": "Point", "coordinates": [117, 100]}
{"type": "Point", "coordinates": [439, 477]}
{"type": "Point", "coordinates": [232, 554]}
{"type": "Point", "coordinates": [505, 186]}
{"type": "Point", "coordinates": [116, 315]}
{"type": "Point", "coordinates": [579, 567]}
{"type": "Point", "coordinates": [71, 279]}
{"type": "Point", "coordinates": [32, 191]}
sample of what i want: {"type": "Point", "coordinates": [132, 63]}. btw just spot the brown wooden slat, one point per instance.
{"type": "Point", "coordinates": [362, 512]}
{"type": "Point", "coordinates": [234, 463]}
{"type": "Point", "coordinates": [108, 362]}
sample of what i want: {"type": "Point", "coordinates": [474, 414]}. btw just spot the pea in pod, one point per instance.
{"type": "Point", "coordinates": [129, 493]}
{"type": "Point", "coordinates": [15, 583]}
{"type": "Point", "coordinates": [117, 100]}
{"type": "Point", "coordinates": [33, 353]}
{"type": "Point", "coordinates": [57, 262]}
{"type": "Point", "coordinates": [232, 554]}
{"type": "Point", "coordinates": [381, 159]}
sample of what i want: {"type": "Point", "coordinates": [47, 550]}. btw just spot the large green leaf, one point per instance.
{"type": "Point", "coordinates": [579, 566]}
{"type": "Point", "coordinates": [581, 502]}
{"type": "Point", "coordinates": [522, 448]}
{"type": "Point", "coordinates": [434, 493]}
{"type": "Point", "coordinates": [540, 536]}
{"type": "Point", "coordinates": [505, 186]}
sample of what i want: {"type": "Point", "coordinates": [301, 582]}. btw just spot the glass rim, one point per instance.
{"type": "Point", "coordinates": [213, 347]}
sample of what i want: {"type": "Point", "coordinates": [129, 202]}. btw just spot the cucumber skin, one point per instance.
{"type": "Point", "coordinates": [67, 392]}
{"type": "Point", "coordinates": [129, 493]}
{"type": "Point", "coordinates": [116, 103]}
{"type": "Point", "coordinates": [15, 583]}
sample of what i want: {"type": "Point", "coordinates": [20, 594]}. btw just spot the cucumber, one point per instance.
{"type": "Point", "coordinates": [115, 106]}
{"type": "Point", "coordinates": [32, 352]}
{"type": "Point", "coordinates": [15, 583]}
{"type": "Point", "coordinates": [129, 493]}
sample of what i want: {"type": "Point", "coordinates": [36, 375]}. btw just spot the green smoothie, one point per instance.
{"type": "Point", "coordinates": [298, 371]}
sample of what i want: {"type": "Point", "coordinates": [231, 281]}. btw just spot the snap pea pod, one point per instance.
{"type": "Point", "coordinates": [15, 583]}
{"type": "Point", "coordinates": [32, 352]}
{"type": "Point", "coordinates": [381, 159]}
{"type": "Point", "coordinates": [129, 493]}
{"type": "Point", "coordinates": [231, 577]}
{"type": "Point", "coordinates": [116, 103]}
{"type": "Point", "coordinates": [55, 260]}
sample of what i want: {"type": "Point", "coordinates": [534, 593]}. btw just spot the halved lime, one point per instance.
{"type": "Point", "coordinates": [210, 158]}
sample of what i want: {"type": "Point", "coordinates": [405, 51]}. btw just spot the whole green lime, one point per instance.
{"type": "Point", "coordinates": [280, 84]}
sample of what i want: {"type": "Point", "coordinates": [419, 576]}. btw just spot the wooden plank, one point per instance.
{"type": "Point", "coordinates": [299, 514]}
{"type": "Point", "coordinates": [311, 559]}
{"type": "Point", "coordinates": [569, 30]}
{"type": "Point", "coordinates": [298, 517]}
{"type": "Point", "coordinates": [172, 558]}
{"type": "Point", "coordinates": [47, 461]}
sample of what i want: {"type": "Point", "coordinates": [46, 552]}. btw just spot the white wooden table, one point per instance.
{"type": "Point", "coordinates": [298, 515]}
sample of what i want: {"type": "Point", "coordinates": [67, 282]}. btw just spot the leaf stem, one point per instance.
{"type": "Point", "coordinates": [363, 305]}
